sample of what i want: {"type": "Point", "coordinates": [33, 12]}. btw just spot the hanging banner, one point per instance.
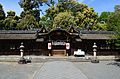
{"type": "Point", "coordinates": [67, 45]}
{"type": "Point", "coordinates": [49, 45]}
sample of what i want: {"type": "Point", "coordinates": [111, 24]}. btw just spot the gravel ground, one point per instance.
{"type": "Point", "coordinates": [18, 71]}
{"type": "Point", "coordinates": [102, 70]}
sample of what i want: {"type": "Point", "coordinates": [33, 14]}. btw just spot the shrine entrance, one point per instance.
{"type": "Point", "coordinates": [59, 42]}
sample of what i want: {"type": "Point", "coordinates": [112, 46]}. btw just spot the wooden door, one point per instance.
{"type": "Point", "coordinates": [59, 52]}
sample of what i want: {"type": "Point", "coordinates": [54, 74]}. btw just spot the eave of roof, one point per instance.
{"type": "Point", "coordinates": [97, 36]}
{"type": "Point", "coordinates": [17, 31]}
{"type": "Point", "coordinates": [95, 32]}
{"type": "Point", "coordinates": [17, 34]}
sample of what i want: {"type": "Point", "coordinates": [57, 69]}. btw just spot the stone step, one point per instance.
{"type": "Point", "coordinates": [60, 59]}
{"type": "Point", "coordinates": [54, 58]}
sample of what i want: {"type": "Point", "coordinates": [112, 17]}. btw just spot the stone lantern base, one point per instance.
{"type": "Point", "coordinates": [22, 61]}
{"type": "Point", "coordinates": [94, 61]}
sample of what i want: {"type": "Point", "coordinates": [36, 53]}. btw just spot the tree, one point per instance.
{"type": "Point", "coordinates": [45, 22]}
{"type": "Point", "coordinates": [117, 8]}
{"type": "Point", "coordinates": [31, 6]}
{"type": "Point", "coordinates": [10, 21]}
{"type": "Point", "coordinates": [31, 14]}
{"type": "Point", "coordinates": [102, 21]}
{"type": "Point", "coordinates": [100, 26]}
{"type": "Point", "coordinates": [63, 20]}
{"type": "Point", "coordinates": [104, 16]}
{"type": "Point", "coordinates": [28, 22]}
{"type": "Point", "coordinates": [114, 24]}
{"type": "Point", "coordinates": [2, 13]}
{"type": "Point", "coordinates": [2, 16]}
{"type": "Point", "coordinates": [82, 15]}
{"type": "Point", "coordinates": [32, 11]}
{"type": "Point", "coordinates": [114, 20]}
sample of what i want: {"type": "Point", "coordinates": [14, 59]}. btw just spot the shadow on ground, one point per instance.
{"type": "Point", "coordinates": [116, 63]}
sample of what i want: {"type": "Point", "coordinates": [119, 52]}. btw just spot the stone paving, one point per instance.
{"type": "Point", "coordinates": [60, 70]}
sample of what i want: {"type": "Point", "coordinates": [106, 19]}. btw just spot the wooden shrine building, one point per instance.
{"type": "Point", "coordinates": [56, 41]}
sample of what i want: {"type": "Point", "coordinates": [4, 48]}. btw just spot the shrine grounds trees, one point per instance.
{"type": "Point", "coordinates": [103, 21]}
{"type": "Point", "coordinates": [30, 15]}
{"type": "Point", "coordinates": [2, 16]}
{"type": "Point", "coordinates": [10, 21]}
{"type": "Point", "coordinates": [114, 23]}
{"type": "Point", "coordinates": [60, 13]}
{"type": "Point", "coordinates": [111, 21]}
{"type": "Point", "coordinates": [71, 12]}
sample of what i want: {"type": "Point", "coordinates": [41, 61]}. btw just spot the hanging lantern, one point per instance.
{"type": "Point", "coordinates": [49, 45]}
{"type": "Point", "coordinates": [67, 45]}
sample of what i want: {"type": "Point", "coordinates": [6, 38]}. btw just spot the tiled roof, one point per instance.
{"type": "Point", "coordinates": [17, 31]}
{"type": "Point", "coordinates": [97, 36]}
{"type": "Point", "coordinates": [32, 34]}
{"type": "Point", "coordinates": [95, 32]}
{"type": "Point", "coordinates": [17, 34]}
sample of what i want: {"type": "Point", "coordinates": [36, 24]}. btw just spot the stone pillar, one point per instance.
{"type": "Point", "coordinates": [21, 50]}
{"type": "Point", "coordinates": [21, 53]}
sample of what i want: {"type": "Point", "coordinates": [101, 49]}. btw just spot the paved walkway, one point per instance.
{"type": "Point", "coordinates": [59, 70]}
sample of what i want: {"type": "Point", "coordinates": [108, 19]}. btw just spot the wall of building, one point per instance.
{"type": "Point", "coordinates": [87, 46]}
{"type": "Point", "coordinates": [11, 47]}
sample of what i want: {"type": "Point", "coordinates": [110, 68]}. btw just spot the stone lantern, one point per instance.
{"type": "Point", "coordinates": [22, 59]}
{"type": "Point", "coordinates": [95, 60]}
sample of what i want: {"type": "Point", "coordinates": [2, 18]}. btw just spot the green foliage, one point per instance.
{"type": "Point", "coordinates": [114, 21]}
{"type": "Point", "coordinates": [30, 6]}
{"type": "Point", "coordinates": [2, 17]}
{"type": "Point", "coordinates": [63, 20]}
{"type": "Point", "coordinates": [63, 14]}
{"type": "Point", "coordinates": [117, 43]}
{"type": "Point", "coordinates": [114, 24]}
{"type": "Point", "coordinates": [1, 24]}
{"type": "Point", "coordinates": [117, 8]}
{"type": "Point", "coordinates": [100, 26]}
{"type": "Point", "coordinates": [28, 22]}
{"type": "Point", "coordinates": [71, 12]}
{"type": "Point", "coordinates": [45, 22]}
{"type": "Point", "coordinates": [2, 13]}
{"type": "Point", "coordinates": [10, 13]}
{"type": "Point", "coordinates": [30, 17]}
{"type": "Point", "coordinates": [104, 16]}
{"type": "Point", "coordinates": [10, 21]}
{"type": "Point", "coordinates": [31, 14]}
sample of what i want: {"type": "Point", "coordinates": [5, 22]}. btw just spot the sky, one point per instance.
{"type": "Point", "coordinates": [98, 5]}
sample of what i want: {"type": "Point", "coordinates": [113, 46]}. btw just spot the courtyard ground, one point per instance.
{"type": "Point", "coordinates": [60, 70]}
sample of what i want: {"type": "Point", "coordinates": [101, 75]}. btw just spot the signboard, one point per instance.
{"type": "Point", "coordinates": [67, 45]}
{"type": "Point", "coordinates": [49, 46]}
{"type": "Point", "coordinates": [58, 43]}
